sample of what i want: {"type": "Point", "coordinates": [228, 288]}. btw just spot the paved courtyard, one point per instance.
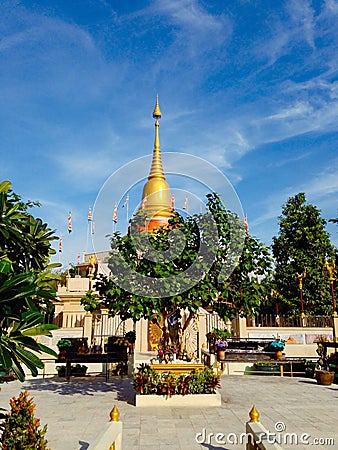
{"type": "Point", "coordinates": [76, 410]}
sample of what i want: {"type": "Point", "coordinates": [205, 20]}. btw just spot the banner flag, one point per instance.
{"type": "Point", "coordinates": [90, 215]}
{"type": "Point", "coordinates": [115, 213]}
{"type": "Point", "coordinates": [70, 226]}
{"type": "Point", "coordinates": [126, 201]}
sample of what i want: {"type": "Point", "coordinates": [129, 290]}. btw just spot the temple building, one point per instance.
{"type": "Point", "coordinates": [97, 327]}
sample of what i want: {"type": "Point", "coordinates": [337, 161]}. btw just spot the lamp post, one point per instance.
{"type": "Point", "coordinates": [331, 270]}
{"type": "Point", "coordinates": [301, 277]}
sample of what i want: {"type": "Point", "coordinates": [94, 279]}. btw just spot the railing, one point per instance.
{"type": "Point", "coordinates": [257, 435]}
{"type": "Point", "coordinates": [105, 325]}
{"type": "Point", "coordinates": [72, 320]}
{"type": "Point", "coordinates": [271, 320]}
{"type": "Point", "coordinates": [111, 436]}
{"type": "Point", "coordinates": [214, 321]}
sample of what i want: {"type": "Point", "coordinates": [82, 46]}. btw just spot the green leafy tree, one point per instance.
{"type": "Point", "coordinates": [27, 283]}
{"type": "Point", "coordinates": [249, 261]}
{"type": "Point", "coordinates": [165, 254]}
{"type": "Point", "coordinates": [249, 283]}
{"type": "Point", "coordinates": [302, 244]}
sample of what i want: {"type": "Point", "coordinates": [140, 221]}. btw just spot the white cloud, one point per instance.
{"type": "Point", "coordinates": [295, 111]}
{"type": "Point", "coordinates": [321, 189]}
{"type": "Point", "coordinates": [284, 35]}
{"type": "Point", "coordinates": [302, 17]}
{"type": "Point", "coordinates": [325, 183]}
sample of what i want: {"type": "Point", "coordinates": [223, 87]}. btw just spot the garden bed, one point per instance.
{"type": "Point", "coordinates": [189, 400]}
{"type": "Point", "coordinates": [196, 388]}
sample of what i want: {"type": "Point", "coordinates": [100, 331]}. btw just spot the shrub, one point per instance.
{"type": "Point", "coordinates": [21, 430]}
{"type": "Point", "coordinates": [201, 381]}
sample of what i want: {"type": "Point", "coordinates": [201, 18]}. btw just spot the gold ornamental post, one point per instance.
{"type": "Point", "coordinates": [91, 267]}
{"type": "Point", "coordinates": [301, 277]}
{"type": "Point", "coordinates": [331, 270]}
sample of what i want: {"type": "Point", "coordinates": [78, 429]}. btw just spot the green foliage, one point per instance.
{"type": "Point", "coordinates": [21, 430]}
{"type": "Point", "coordinates": [26, 283]}
{"type": "Point", "coordinates": [242, 292]}
{"type": "Point", "coordinates": [64, 343]}
{"type": "Point", "coordinates": [216, 333]}
{"type": "Point", "coordinates": [204, 381]}
{"type": "Point", "coordinates": [131, 337]}
{"type": "Point", "coordinates": [75, 370]}
{"type": "Point", "coordinates": [145, 380]}
{"type": "Point", "coordinates": [24, 239]}
{"type": "Point", "coordinates": [91, 301]}
{"type": "Point", "coordinates": [221, 242]}
{"type": "Point", "coordinates": [201, 381]}
{"type": "Point", "coordinates": [302, 243]}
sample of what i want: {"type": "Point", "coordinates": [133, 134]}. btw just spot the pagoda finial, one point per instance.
{"type": "Point", "coordinates": [156, 169]}
{"type": "Point", "coordinates": [157, 112]}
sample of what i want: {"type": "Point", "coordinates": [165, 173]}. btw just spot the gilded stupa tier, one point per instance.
{"type": "Point", "coordinates": [156, 198]}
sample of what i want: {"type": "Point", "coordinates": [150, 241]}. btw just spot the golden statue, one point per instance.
{"type": "Point", "coordinates": [301, 278]}
{"type": "Point", "coordinates": [331, 269]}
{"type": "Point", "coordinates": [91, 265]}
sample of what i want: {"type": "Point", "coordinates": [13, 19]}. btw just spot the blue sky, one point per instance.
{"type": "Point", "coordinates": [250, 86]}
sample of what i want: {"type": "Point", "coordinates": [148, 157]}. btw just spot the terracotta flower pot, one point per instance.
{"type": "Point", "coordinates": [324, 377]}
{"type": "Point", "coordinates": [279, 355]}
{"type": "Point", "coordinates": [220, 354]}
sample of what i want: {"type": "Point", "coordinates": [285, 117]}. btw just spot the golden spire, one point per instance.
{"type": "Point", "coordinates": [156, 191]}
{"type": "Point", "coordinates": [157, 112]}
{"type": "Point", "coordinates": [156, 170]}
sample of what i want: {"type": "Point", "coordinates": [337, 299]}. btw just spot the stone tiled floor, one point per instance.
{"type": "Point", "coordinates": [76, 410]}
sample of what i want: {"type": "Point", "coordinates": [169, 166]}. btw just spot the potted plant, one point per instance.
{"type": "Point", "coordinates": [211, 339]}
{"type": "Point", "coordinates": [266, 368]}
{"type": "Point", "coordinates": [277, 346]}
{"type": "Point", "coordinates": [221, 345]}
{"type": "Point", "coordinates": [63, 346]}
{"type": "Point", "coordinates": [61, 370]}
{"type": "Point", "coordinates": [323, 375]}
{"type": "Point", "coordinates": [216, 335]}
{"type": "Point", "coordinates": [78, 370]}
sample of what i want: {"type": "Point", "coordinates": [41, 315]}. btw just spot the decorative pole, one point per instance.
{"type": "Point", "coordinates": [276, 294]}
{"type": "Point", "coordinates": [91, 266]}
{"type": "Point", "coordinates": [331, 270]}
{"type": "Point", "coordinates": [300, 281]}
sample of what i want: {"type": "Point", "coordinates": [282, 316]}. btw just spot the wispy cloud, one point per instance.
{"type": "Point", "coordinates": [318, 189]}
{"type": "Point", "coordinates": [285, 34]}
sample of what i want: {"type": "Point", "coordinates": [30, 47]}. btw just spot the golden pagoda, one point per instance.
{"type": "Point", "coordinates": [156, 198]}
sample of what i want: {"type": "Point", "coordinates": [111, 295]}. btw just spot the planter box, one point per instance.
{"type": "Point", "coordinates": [177, 401]}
